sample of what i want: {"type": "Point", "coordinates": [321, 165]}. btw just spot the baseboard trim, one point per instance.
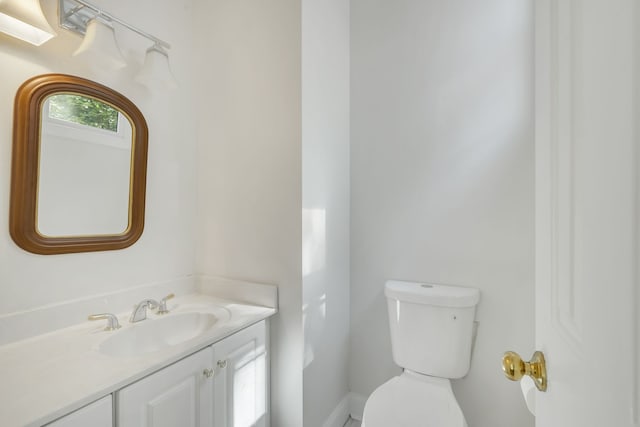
{"type": "Point", "coordinates": [351, 406]}
{"type": "Point", "coordinates": [340, 415]}
{"type": "Point", "coordinates": [356, 404]}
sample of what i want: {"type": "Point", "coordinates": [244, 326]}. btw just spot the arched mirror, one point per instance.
{"type": "Point", "coordinates": [79, 167]}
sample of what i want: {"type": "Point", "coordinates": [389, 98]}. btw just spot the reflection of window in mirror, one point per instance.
{"type": "Point", "coordinates": [83, 110]}
{"type": "Point", "coordinates": [84, 172]}
{"type": "Point", "coordinates": [86, 117]}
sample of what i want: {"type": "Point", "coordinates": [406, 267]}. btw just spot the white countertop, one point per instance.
{"type": "Point", "coordinates": [47, 376]}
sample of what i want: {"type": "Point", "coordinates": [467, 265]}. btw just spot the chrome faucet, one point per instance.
{"type": "Point", "coordinates": [140, 312]}
{"type": "Point", "coordinates": [112, 320]}
{"type": "Point", "coordinates": [162, 309]}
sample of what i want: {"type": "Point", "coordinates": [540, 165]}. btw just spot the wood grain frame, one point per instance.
{"type": "Point", "coordinates": [25, 164]}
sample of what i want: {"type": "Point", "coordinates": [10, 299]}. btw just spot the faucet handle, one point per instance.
{"type": "Point", "coordinates": [112, 320]}
{"type": "Point", "coordinates": [162, 309]}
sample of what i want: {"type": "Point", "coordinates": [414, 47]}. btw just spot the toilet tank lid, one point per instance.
{"type": "Point", "coordinates": [432, 294]}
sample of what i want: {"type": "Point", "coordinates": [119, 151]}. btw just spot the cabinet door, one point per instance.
{"type": "Point", "coordinates": [179, 395]}
{"type": "Point", "coordinates": [96, 414]}
{"type": "Point", "coordinates": [241, 381]}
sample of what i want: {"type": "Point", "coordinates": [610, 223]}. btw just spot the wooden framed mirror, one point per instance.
{"type": "Point", "coordinates": [79, 167]}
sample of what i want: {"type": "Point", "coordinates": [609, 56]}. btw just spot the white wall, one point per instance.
{"type": "Point", "coordinates": [325, 203]}
{"type": "Point", "coordinates": [249, 167]}
{"type": "Point", "coordinates": [442, 180]}
{"type": "Point", "coordinates": [166, 248]}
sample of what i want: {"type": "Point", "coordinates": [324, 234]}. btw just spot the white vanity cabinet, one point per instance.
{"type": "Point", "coordinates": [223, 385]}
{"type": "Point", "coordinates": [242, 379]}
{"type": "Point", "coordinates": [179, 395]}
{"type": "Point", "coordinates": [160, 372]}
{"type": "Point", "coordinates": [96, 414]}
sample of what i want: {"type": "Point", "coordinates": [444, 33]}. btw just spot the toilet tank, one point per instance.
{"type": "Point", "coordinates": [431, 327]}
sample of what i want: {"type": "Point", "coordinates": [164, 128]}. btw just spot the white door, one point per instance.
{"type": "Point", "coordinates": [180, 395]}
{"type": "Point", "coordinates": [587, 191]}
{"type": "Point", "coordinates": [241, 380]}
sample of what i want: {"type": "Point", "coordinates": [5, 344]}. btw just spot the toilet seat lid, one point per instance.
{"type": "Point", "coordinates": [412, 400]}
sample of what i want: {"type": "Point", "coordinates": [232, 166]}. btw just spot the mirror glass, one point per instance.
{"type": "Point", "coordinates": [84, 167]}
{"type": "Point", "coordinates": [79, 167]}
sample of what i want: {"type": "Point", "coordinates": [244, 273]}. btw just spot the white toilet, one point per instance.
{"type": "Point", "coordinates": [431, 338]}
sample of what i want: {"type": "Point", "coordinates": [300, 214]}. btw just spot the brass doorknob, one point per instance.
{"type": "Point", "coordinates": [515, 368]}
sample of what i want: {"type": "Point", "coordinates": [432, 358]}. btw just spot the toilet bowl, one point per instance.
{"type": "Point", "coordinates": [413, 400]}
{"type": "Point", "coordinates": [431, 338]}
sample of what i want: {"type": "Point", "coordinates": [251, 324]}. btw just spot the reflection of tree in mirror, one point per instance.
{"type": "Point", "coordinates": [83, 110]}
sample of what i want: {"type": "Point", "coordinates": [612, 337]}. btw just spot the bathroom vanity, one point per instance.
{"type": "Point", "coordinates": [79, 185]}
{"type": "Point", "coordinates": [205, 363]}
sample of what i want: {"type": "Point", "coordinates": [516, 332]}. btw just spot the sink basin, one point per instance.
{"type": "Point", "coordinates": [153, 335]}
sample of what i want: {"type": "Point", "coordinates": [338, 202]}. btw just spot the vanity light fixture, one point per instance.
{"type": "Point", "coordinates": [96, 25]}
{"type": "Point", "coordinates": [156, 71]}
{"type": "Point", "coordinates": [99, 45]}
{"type": "Point", "coordinates": [24, 20]}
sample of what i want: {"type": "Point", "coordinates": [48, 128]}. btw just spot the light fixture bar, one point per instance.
{"type": "Point", "coordinates": [72, 12]}
{"type": "Point", "coordinates": [75, 14]}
